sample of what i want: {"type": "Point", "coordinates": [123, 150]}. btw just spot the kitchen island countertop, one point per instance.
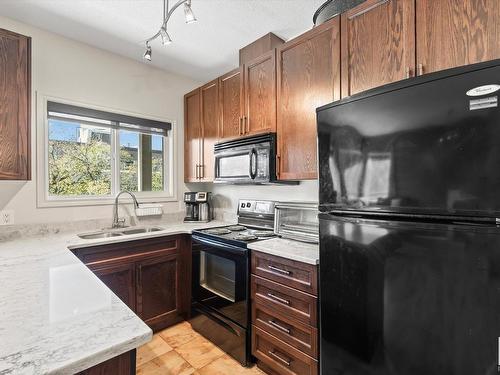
{"type": "Point", "coordinates": [56, 316]}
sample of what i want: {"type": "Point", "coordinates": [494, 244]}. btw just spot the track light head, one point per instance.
{"type": "Point", "coordinates": [188, 12]}
{"type": "Point", "coordinates": [165, 37]}
{"type": "Point", "coordinates": [148, 53]}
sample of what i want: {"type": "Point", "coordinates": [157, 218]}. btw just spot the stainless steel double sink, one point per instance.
{"type": "Point", "coordinates": [118, 232]}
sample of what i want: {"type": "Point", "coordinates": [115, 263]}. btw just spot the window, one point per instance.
{"type": "Point", "coordinates": [92, 154]}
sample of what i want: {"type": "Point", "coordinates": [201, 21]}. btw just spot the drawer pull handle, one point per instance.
{"type": "Point", "coordinates": [284, 272]}
{"type": "Point", "coordinates": [279, 299]}
{"type": "Point", "coordinates": [278, 326]}
{"type": "Point", "coordinates": [282, 360]}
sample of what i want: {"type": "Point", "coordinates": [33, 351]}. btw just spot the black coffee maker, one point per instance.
{"type": "Point", "coordinates": [192, 207]}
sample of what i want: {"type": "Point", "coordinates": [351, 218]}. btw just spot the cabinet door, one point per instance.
{"type": "Point", "coordinates": [15, 103]}
{"type": "Point", "coordinates": [158, 299]}
{"type": "Point", "coordinates": [260, 95]}
{"type": "Point", "coordinates": [120, 278]}
{"type": "Point", "coordinates": [378, 44]}
{"type": "Point", "coordinates": [231, 104]}
{"type": "Point", "coordinates": [192, 135]}
{"type": "Point", "coordinates": [308, 77]}
{"type": "Point", "coordinates": [210, 128]}
{"type": "Point", "coordinates": [452, 33]}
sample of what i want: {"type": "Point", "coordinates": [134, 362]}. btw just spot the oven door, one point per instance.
{"type": "Point", "coordinates": [220, 278]}
{"type": "Point", "coordinates": [251, 163]}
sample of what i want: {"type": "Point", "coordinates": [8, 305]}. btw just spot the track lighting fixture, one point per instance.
{"type": "Point", "coordinates": [147, 54]}
{"type": "Point", "coordinates": [163, 33]}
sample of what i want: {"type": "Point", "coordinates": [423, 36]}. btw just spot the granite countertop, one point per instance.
{"type": "Point", "coordinates": [290, 249]}
{"type": "Point", "coordinates": [56, 316]}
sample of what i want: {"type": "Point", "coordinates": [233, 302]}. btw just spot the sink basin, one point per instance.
{"type": "Point", "coordinates": [93, 236]}
{"type": "Point", "coordinates": [141, 230]}
{"type": "Point", "coordinates": [117, 233]}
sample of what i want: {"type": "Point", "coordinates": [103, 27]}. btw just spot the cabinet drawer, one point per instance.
{"type": "Point", "coordinates": [279, 356]}
{"type": "Point", "coordinates": [298, 275]}
{"type": "Point", "coordinates": [130, 250]}
{"type": "Point", "coordinates": [285, 300]}
{"type": "Point", "coordinates": [301, 336]}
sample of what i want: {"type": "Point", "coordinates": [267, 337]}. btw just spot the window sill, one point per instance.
{"type": "Point", "coordinates": [107, 201]}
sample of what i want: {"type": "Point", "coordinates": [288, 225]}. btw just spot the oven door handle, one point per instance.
{"type": "Point", "coordinates": [218, 245]}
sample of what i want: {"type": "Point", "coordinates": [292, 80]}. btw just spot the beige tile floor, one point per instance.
{"type": "Point", "coordinates": [179, 350]}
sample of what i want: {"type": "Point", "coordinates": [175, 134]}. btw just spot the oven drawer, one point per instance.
{"type": "Point", "coordinates": [301, 336]}
{"type": "Point", "coordinates": [279, 356]}
{"type": "Point", "coordinates": [298, 275]}
{"type": "Point", "coordinates": [285, 300]}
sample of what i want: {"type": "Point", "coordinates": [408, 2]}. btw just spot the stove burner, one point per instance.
{"type": "Point", "coordinates": [236, 228]}
{"type": "Point", "coordinates": [245, 237]}
{"type": "Point", "coordinates": [263, 233]}
{"type": "Point", "coordinates": [217, 231]}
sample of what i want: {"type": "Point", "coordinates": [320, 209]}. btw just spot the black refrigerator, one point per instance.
{"type": "Point", "coordinates": [409, 236]}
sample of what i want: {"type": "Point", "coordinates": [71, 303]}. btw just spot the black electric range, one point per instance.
{"type": "Point", "coordinates": [220, 308]}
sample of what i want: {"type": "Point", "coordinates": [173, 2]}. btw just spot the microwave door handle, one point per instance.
{"type": "Point", "coordinates": [253, 164]}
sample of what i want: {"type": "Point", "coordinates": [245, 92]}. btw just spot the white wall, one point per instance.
{"type": "Point", "coordinates": [77, 72]}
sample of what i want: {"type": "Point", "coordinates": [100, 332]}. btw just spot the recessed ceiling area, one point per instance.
{"type": "Point", "coordinates": [202, 50]}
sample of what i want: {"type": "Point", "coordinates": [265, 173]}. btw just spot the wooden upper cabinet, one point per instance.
{"type": "Point", "coordinates": [192, 135]}
{"type": "Point", "coordinates": [378, 44]}
{"type": "Point", "coordinates": [210, 128]}
{"type": "Point", "coordinates": [260, 95]}
{"type": "Point", "coordinates": [15, 106]}
{"type": "Point", "coordinates": [453, 33]}
{"type": "Point", "coordinates": [231, 104]}
{"type": "Point", "coordinates": [308, 77]}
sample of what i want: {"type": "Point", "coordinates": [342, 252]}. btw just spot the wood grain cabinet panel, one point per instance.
{"type": "Point", "coordinates": [378, 44]}
{"type": "Point", "coordinates": [192, 135]}
{"type": "Point", "coordinates": [15, 106]}
{"type": "Point", "coordinates": [123, 364]}
{"type": "Point", "coordinates": [453, 33]}
{"type": "Point", "coordinates": [288, 272]}
{"type": "Point", "coordinates": [157, 290]}
{"type": "Point", "coordinates": [308, 71]}
{"type": "Point", "coordinates": [210, 128]}
{"type": "Point", "coordinates": [284, 300]}
{"type": "Point", "coordinates": [120, 278]}
{"type": "Point", "coordinates": [260, 95]}
{"type": "Point", "coordinates": [301, 336]}
{"type": "Point", "coordinates": [280, 357]}
{"type": "Point", "coordinates": [231, 104]}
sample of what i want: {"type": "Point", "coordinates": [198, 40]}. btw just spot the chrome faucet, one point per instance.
{"type": "Point", "coordinates": [117, 222]}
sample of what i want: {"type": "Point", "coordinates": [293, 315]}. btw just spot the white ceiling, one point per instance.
{"type": "Point", "coordinates": [202, 50]}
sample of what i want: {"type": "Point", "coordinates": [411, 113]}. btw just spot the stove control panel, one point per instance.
{"type": "Point", "coordinates": [256, 208]}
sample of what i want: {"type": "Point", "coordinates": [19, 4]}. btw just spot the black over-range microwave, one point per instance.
{"type": "Point", "coordinates": [249, 160]}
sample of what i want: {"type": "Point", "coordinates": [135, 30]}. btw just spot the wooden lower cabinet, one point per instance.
{"type": "Point", "coordinates": [120, 278]}
{"type": "Point", "coordinates": [123, 364]}
{"type": "Point", "coordinates": [280, 357]}
{"type": "Point", "coordinates": [284, 318]}
{"type": "Point", "coordinates": [148, 275]}
{"type": "Point", "coordinates": [158, 301]}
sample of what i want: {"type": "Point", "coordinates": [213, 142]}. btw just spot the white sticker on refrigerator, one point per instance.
{"type": "Point", "coordinates": [483, 103]}
{"type": "Point", "coordinates": [483, 90]}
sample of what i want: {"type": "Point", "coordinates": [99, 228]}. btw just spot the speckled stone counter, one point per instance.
{"type": "Point", "coordinates": [56, 316]}
{"type": "Point", "coordinates": [295, 250]}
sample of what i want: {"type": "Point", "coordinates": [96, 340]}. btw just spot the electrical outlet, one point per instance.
{"type": "Point", "coordinates": [7, 217]}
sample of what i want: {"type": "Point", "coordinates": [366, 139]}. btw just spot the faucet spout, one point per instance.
{"type": "Point", "coordinates": [117, 222]}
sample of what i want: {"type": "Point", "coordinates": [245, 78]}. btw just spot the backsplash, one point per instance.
{"type": "Point", "coordinates": [225, 197]}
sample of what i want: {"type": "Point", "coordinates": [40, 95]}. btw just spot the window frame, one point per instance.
{"type": "Point", "coordinates": [44, 199]}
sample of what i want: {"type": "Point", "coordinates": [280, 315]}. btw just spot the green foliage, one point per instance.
{"type": "Point", "coordinates": [85, 169]}
{"type": "Point", "coordinates": [79, 168]}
